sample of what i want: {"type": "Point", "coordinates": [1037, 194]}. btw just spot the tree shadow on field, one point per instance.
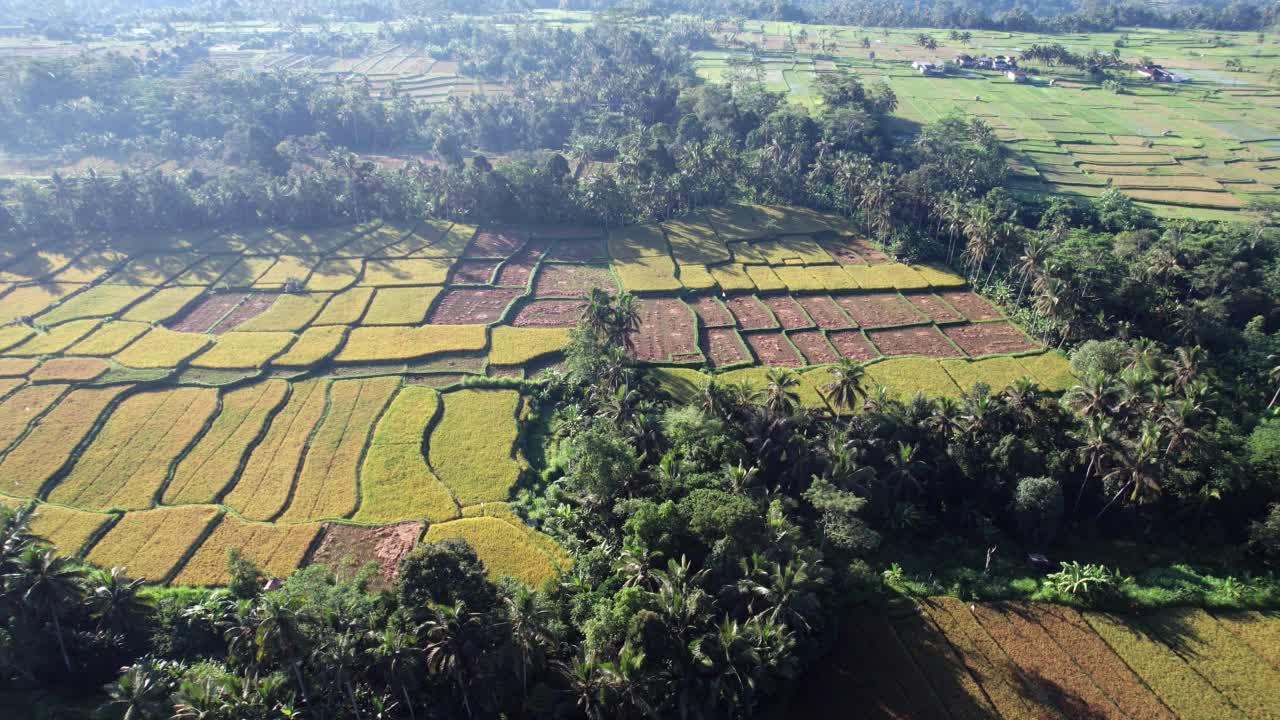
{"type": "Point", "coordinates": [1067, 704]}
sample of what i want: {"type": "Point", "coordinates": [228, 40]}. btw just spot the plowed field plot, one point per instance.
{"type": "Point", "coordinates": [205, 315]}
{"type": "Point", "coordinates": [471, 306]}
{"type": "Point", "coordinates": [723, 346]}
{"type": "Point", "coordinates": [711, 312]}
{"type": "Point", "coordinates": [813, 344]}
{"type": "Point", "coordinates": [253, 306]}
{"type": "Point", "coordinates": [843, 250]}
{"type": "Point", "coordinates": [667, 332]}
{"type": "Point", "coordinates": [750, 313]}
{"type": "Point", "coordinates": [549, 313]}
{"type": "Point", "coordinates": [583, 250]}
{"type": "Point", "coordinates": [851, 344]}
{"type": "Point", "coordinates": [879, 310]}
{"type": "Point", "coordinates": [571, 281]}
{"type": "Point", "coordinates": [989, 338]}
{"type": "Point", "coordinates": [934, 308]}
{"type": "Point", "coordinates": [473, 272]}
{"type": "Point", "coordinates": [970, 305]}
{"type": "Point", "coordinates": [824, 311]}
{"type": "Point", "coordinates": [773, 349]}
{"type": "Point", "coordinates": [356, 545]}
{"type": "Point", "coordinates": [918, 340]}
{"type": "Point", "coordinates": [493, 243]}
{"type": "Point", "coordinates": [788, 312]}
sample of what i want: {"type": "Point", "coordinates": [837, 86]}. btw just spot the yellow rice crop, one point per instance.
{"type": "Point", "coordinates": [161, 348]}
{"type": "Point", "coordinates": [69, 369]}
{"type": "Point", "coordinates": [732, 277]}
{"type": "Point", "coordinates": [9, 384]}
{"type": "Point", "coordinates": [765, 278]}
{"type": "Point", "coordinates": [654, 273]}
{"type": "Point", "coordinates": [24, 406]}
{"type": "Point", "coordinates": [395, 482]}
{"type": "Point", "coordinates": [697, 277]}
{"type": "Point", "coordinates": [210, 467]}
{"type": "Point", "coordinates": [237, 350]}
{"type": "Point", "coordinates": [326, 487]}
{"type": "Point", "coordinates": [410, 271]}
{"type": "Point", "coordinates": [246, 272]}
{"type": "Point", "coordinates": [887, 277]}
{"type": "Point", "coordinates": [695, 243]}
{"type": "Point", "coordinates": [207, 271]}
{"type": "Point", "coordinates": [736, 222]}
{"type": "Point", "coordinates": [36, 266]}
{"type": "Point", "coordinates": [152, 269]}
{"type": "Point", "coordinates": [637, 241]}
{"type": "Point", "coordinates": [263, 487]}
{"type": "Point", "coordinates": [333, 275]}
{"type": "Point", "coordinates": [56, 339]}
{"type": "Point", "coordinates": [11, 335]}
{"type": "Point", "coordinates": [471, 449]}
{"type": "Point", "coordinates": [277, 549]}
{"type": "Point", "coordinates": [31, 300]}
{"type": "Point", "coordinates": [798, 279]}
{"type": "Point", "coordinates": [785, 250]}
{"type": "Point", "coordinates": [129, 460]}
{"type": "Point", "coordinates": [520, 345]}
{"type": "Point", "coordinates": [1051, 369]}
{"type": "Point", "coordinates": [97, 301]}
{"type": "Point", "coordinates": [289, 313]}
{"type": "Point", "coordinates": [13, 367]}
{"type": "Point", "coordinates": [938, 277]}
{"type": "Point", "coordinates": [164, 304]}
{"type": "Point", "coordinates": [437, 238]}
{"type": "Point", "coordinates": [49, 445]}
{"type": "Point", "coordinates": [502, 511]}
{"type": "Point", "coordinates": [110, 338]}
{"type": "Point", "coordinates": [394, 342]}
{"type": "Point", "coordinates": [151, 543]}
{"type": "Point", "coordinates": [996, 373]}
{"type": "Point", "coordinates": [313, 345]}
{"type": "Point", "coordinates": [286, 268]}
{"type": "Point", "coordinates": [906, 376]}
{"type": "Point", "coordinates": [832, 277]}
{"type": "Point", "coordinates": [503, 548]}
{"type": "Point", "coordinates": [346, 307]}
{"type": "Point", "coordinates": [400, 305]}
{"type": "Point", "coordinates": [66, 529]}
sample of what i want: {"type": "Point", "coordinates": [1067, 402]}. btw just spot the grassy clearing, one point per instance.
{"type": "Point", "coordinates": [277, 549]}
{"type": "Point", "coordinates": [164, 304]}
{"type": "Point", "coordinates": [56, 339]}
{"type": "Point", "coordinates": [97, 301]}
{"type": "Point", "coordinates": [412, 271]}
{"type": "Point", "coordinates": [129, 459]}
{"type": "Point", "coordinates": [637, 241]}
{"type": "Point", "coordinates": [503, 548]}
{"type": "Point", "coordinates": [289, 313]}
{"type": "Point", "coordinates": [262, 489]}
{"type": "Point", "coordinates": [996, 373]}
{"type": "Point", "coordinates": [1051, 369]}
{"type": "Point", "coordinates": [31, 300]}
{"type": "Point", "coordinates": [210, 467]}
{"type": "Point", "coordinates": [243, 350]}
{"type": "Point", "coordinates": [345, 308]}
{"type": "Point", "coordinates": [651, 273]}
{"type": "Point", "coordinates": [24, 406]}
{"type": "Point", "coordinates": [395, 482]}
{"type": "Point", "coordinates": [313, 345]}
{"type": "Point", "coordinates": [151, 543]}
{"type": "Point", "coordinates": [110, 338]}
{"type": "Point", "coordinates": [29, 465]}
{"type": "Point", "coordinates": [522, 345]}
{"type": "Point", "coordinates": [472, 447]}
{"type": "Point", "coordinates": [695, 243]}
{"type": "Point", "coordinates": [904, 377]}
{"type": "Point", "coordinates": [327, 486]}
{"type": "Point", "coordinates": [161, 348]}
{"type": "Point", "coordinates": [69, 369]}
{"type": "Point", "coordinates": [400, 305]}
{"type": "Point", "coordinates": [732, 278]}
{"type": "Point", "coordinates": [366, 344]}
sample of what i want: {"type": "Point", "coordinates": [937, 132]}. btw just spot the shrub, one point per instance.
{"type": "Point", "coordinates": [1038, 506]}
{"type": "Point", "coordinates": [1264, 535]}
{"type": "Point", "coordinates": [1264, 454]}
{"type": "Point", "coordinates": [444, 571]}
{"type": "Point", "coordinates": [1091, 584]}
{"type": "Point", "coordinates": [1104, 356]}
{"type": "Point", "coordinates": [716, 514]}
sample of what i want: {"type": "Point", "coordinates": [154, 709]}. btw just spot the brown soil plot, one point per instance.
{"type": "Point", "coordinates": [358, 544]}
{"type": "Point", "coordinates": [750, 313]}
{"type": "Point", "coordinates": [711, 312]}
{"type": "Point", "coordinates": [253, 306]}
{"type": "Point", "coordinates": [918, 340]}
{"type": "Point", "coordinates": [871, 254]}
{"type": "Point", "coordinates": [843, 250]}
{"type": "Point", "coordinates": [989, 338]}
{"type": "Point", "coordinates": [723, 347]}
{"type": "Point", "coordinates": [934, 308]}
{"type": "Point", "coordinates": [494, 243]}
{"type": "Point", "coordinates": [773, 349]}
{"type": "Point", "coordinates": [971, 305]}
{"type": "Point", "coordinates": [824, 311]}
{"type": "Point", "coordinates": [471, 306]}
{"type": "Point", "coordinates": [814, 346]}
{"type": "Point", "coordinates": [666, 330]}
{"type": "Point", "coordinates": [879, 310]}
{"type": "Point", "coordinates": [572, 281]}
{"type": "Point", "coordinates": [550, 313]}
{"type": "Point", "coordinates": [209, 311]}
{"type": "Point", "coordinates": [851, 344]}
{"type": "Point", "coordinates": [473, 272]}
{"type": "Point", "coordinates": [789, 313]}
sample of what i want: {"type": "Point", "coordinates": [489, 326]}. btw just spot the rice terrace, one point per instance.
{"type": "Point", "coordinates": [664, 359]}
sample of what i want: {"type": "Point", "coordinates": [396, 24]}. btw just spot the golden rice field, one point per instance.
{"type": "Point", "coordinates": [168, 398]}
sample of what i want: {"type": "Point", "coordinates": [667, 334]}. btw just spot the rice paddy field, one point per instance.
{"type": "Point", "coordinates": [166, 398]}
{"type": "Point", "coordinates": [945, 658]}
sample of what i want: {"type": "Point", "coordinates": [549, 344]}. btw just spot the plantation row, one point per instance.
{"type": "Point", "coordinates": [949, 658]}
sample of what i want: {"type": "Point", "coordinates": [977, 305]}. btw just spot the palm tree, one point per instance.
{"type": "Point", "coordinates": [589, 685]}
{"type": "Point", "coordinates": [273, 625]}
{"type": "Point", "coordinates": [397, 657]}
{"type": "Point", "coordinates": [845, 389]}
{"type": "Point", "coordinates": [530, 631]}
{"type": "Point", "coordinates": [1030, 263]}
{"type": "Point", "coordinates": [780, 396]}
{"type": "Point", "coordinates": [1274, 374]}
{"type": "Point", "coordinates": [115, 600]}
{"type": "Point", "coordinates": [47, 585]}
{"type": "Point", "coordinates": [1093, 396]}
{"type": "Point", "coordinates": [1096, 445]}
{"type": "Point", "coordinates": [139, 691]}
{"type": "Point", "coordinates": [451, 651]}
